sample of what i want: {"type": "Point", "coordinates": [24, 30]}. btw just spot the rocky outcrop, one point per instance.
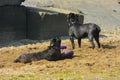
{"type": "Point", "coordinates": [10, 2]}
{"type": "Point", "coordinates": [20, 22]}
{"type": "Point", "coordinates": [12, 23]}
{"type": "Point", "coordinates": [46, 24]}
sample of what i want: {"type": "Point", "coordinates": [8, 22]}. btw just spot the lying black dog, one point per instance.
{"type": "Point", "coordinates": [52, 53]}
{"type": "Point", "coordinates": [80, 31]}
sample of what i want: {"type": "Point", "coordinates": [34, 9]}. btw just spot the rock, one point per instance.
{"type": "Point", "coordinates": [12, 23]}
{"type": "Point", "coordinates": [10, 2]}
{"type": "Point", "coordinates": [47, 23]}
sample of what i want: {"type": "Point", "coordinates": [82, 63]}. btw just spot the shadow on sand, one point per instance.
{"type": "Point", "coordinates": [108, 46]}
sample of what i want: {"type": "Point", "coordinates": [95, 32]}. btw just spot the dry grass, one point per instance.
{"type": "Point", "coordinates": [87, 64]}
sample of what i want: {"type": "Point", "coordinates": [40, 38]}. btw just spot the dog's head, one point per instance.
{"type": "Point", "coordinates": [55, 42]}
{"type": "Point", "coordinates": [72, 17]}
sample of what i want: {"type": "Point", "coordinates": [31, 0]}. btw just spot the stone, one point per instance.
{"type": "Point", "coordinates": [12, 23]}
{"type": "Point", "coordinates": [10, 2]}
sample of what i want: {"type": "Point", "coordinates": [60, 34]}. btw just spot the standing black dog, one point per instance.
{"type": "Point", "coordinates": [52, 53]}
{"type": "Point", "coordinates": [80, 31]}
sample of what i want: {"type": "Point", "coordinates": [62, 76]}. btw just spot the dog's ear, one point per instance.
{"type": "Point", "coordinates": [52, 42]}
{"type": "Point", "coordinates": [54, 39]}
{"type": "Point", "coordinates": [77, 17]}
{"type": "Point", "coordinates": [68, 18]}
{"type": "Point", "coordinates": [72, 15]}
{"type": "Point", "coordinates": [58, 39]}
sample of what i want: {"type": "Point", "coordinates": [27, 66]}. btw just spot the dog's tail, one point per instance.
{"type": "Point", "coordinates": [98, 28]}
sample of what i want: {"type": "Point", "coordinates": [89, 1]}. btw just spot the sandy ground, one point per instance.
{"type": "Point", "coordinates": [105, 13]}
{"type": "Point", "coordinates": [86, 60]}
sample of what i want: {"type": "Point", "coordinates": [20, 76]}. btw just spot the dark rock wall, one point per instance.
{"type": "Point", "coordinates": [46, 27]}
{"type": "Point", "coordinates": [19, 22]}
{"type": "Point", "coordinates": [10, 2]}
{"type": "Point", "coordinates": [12, 23]}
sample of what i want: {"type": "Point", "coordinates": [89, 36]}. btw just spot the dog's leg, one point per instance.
{"type": "Point", "coordinates": [72, 42]}
{"type": "Point", "coordinates": [79, 42]}
{"type": "Point", "coordinates": [97, 40]}
{"type": "Point", "coordinates": [91, 41]}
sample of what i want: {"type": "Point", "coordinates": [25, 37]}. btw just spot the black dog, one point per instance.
{"type": "Point", "coordinates": [52, 53]}
{"type": "Point", "coordinates": [80, 31]}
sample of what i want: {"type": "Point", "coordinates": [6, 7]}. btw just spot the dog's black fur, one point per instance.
{"type": "Point", "coordinates": [79, 31]}
{"type": "Point", "coordinates": [52, 53]}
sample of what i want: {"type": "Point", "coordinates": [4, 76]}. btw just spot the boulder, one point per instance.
{"type": "Point", "coordinates": [12, 23]}
{"type": "Point", "coordinates": [10, 2]}
{"type": "Point", "coordinates": [45, 24]}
